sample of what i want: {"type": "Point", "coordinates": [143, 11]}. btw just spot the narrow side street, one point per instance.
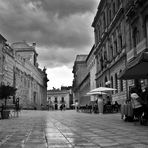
{"type": "Point", "coordinates": [64, 129]}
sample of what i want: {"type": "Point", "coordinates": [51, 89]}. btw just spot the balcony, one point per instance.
{"type": "Point", "coordinates": [141, 46]}
{"type": "Point", "coordinates": [131, 54]}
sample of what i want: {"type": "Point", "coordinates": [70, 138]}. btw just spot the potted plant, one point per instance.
{"type": "Point", "coordinates": [5, 93]}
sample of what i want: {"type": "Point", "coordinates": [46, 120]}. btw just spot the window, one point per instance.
{"type": "Point", "coordinates": [116, 83]}
{"type": "Point", "coordinates": [105, 80]}
{"type": "Point", "coordinates": [111, 51]}
{"type": "Point", "coordinates": [136, 38]}
{"type": "Point", "coordinates": [146, 26]}
{"type": "Point", "coordinates": [55, 100]}
{"type": "Point", "coordinates": [115, 48]}
{"type": "Point", "coordinates": [121, 83]}
{"type": "Point", "coordinates": [118, 3]}
{"type": "Point", "coordinates": [62, 100]}
{"type": "Point", "coordinates": [110, 16]}
{"type": "Point", "coordinates": [104, 21]}
{"type": "Point", "coordinates": [120, 42]}
{"type": "Point", "coordinates": [112, 82]}
{"type": "Point", "coordinates": [114, 8]}
{"type": "Point", "coordinates": [102, 62]}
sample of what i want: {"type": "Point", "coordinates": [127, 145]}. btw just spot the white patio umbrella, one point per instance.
{"type": "Point", "coordinates": [103, 89]}
{"type": "Point", "coordinates": [95, 93]}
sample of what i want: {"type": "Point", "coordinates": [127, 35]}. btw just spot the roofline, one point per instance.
{"type": "Point", "coordinates": [98, 11]}
{"type": "Point", "coordinates": [3, 38]}
{"type": "Point", "coordinates": [92, 49]}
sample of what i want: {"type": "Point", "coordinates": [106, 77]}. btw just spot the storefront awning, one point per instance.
{"type": "Point", "coordinates": [136, 69]}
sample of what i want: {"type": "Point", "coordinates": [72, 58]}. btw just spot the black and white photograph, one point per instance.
{"type": "Point", "coordinates": [73, 74]}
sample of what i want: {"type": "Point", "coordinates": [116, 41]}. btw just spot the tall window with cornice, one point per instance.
{"type": "Point", "coordinates": [104, 21]}
{"type": "Point", "coordinates": [146, 27]}
{"type": "Point", "coordinates": [115, 48]}
{"type": "Point", "coordinates": [120, 42]}
{"type": "Point", "coordinates": [116, 82]}
{"type": "Point", "coordinates": [136, 36]}
{"type": "Point", "coordinates": [118, 3]}
{"type": "Point", "coordinates": [114, 8]}
{"type": "Point", "coordinates": [111, 52]}
{"type": "Point", "coordinates": [112, 82]}
{"type": "Point", "coordinates": [121, 83]}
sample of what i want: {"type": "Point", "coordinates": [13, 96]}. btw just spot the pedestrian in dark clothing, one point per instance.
{"type": "Point", "coordinates": [61, 107]}
{"type": "Point", "coordinates": [17, 107]}
{"type": "Point", "coordinates": [145, 102]}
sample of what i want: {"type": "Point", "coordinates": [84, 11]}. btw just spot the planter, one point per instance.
{"type": "Point", "coordinates": [5, 114]}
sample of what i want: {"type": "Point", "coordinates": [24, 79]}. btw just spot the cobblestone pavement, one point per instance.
{"type": "Point", "coordinates": [69, 129]}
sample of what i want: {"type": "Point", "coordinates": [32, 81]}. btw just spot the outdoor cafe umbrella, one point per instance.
{"type": "Point", "coordinates": [95, 93]}
{"type": "Point", "coordinates": [103, 89]}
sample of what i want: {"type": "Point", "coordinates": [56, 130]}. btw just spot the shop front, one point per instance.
{"type": "Point", "coordinates": [136, 70]}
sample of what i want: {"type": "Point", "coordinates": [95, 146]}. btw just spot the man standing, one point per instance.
{"type": "Point", "coordinates": [100, 104]}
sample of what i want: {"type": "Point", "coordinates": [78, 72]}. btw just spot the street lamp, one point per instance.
{"type": "Point", "coordinates": [108, 83]}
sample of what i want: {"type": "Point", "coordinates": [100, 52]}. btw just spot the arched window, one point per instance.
{"type": "Point", "coordinates": [55, 100]}
{"type": "Point", "coordinates": [62, 100]}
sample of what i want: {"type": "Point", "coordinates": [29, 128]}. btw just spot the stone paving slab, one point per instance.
{"type": "Point", "coordinates": [70, 129]}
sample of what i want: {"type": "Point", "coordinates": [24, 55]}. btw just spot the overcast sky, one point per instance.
{"type": "Point", "coordinates": [61, 28]}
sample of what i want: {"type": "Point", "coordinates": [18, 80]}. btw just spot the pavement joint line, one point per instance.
{"type": "Point", "coordinates": [61, 132]}
{"type": "Point", "coordinates": [6, 139]}
{"type": "Point", "coordinates": [46, 140]}
{"type": "Point", "coordinates": [25, 140]}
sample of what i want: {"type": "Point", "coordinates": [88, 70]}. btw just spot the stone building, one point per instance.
{"type": "Point", "coordinates": [120, 29]}
{"type": "Point", "coordinates": [20, 70]}
{"type": "Point", "coordinates": [136, 15]}
{"type": "Point", "coordinates": [81, 82]}
{"type": "Point", "coordinates": [56, 97]}
{"type": "Point", "coordinates": [119, 56]}
{"type": "Point", "coordinates": [110, 44]}
{"type": "Point", "coordinates": [91, 67]}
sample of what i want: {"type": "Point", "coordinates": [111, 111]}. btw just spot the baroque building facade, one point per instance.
{"type": "Point", "coordinates": [20, 70]}
{"type": "Point", "coordinates": [57, 97]}
{"type": "Point", "coordinates": [121, 37]}
{"type": "Point", "coordinates": [109, 28]}
{"type": "Point", "coordinates": [81, 82]}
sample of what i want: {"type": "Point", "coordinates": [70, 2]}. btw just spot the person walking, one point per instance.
{"type": "Point", "coordinates": [100, 104]}
{"type": "Point", "coordinates": [136, 103]}
{"type": "Point", "coordinates": [17, 108]}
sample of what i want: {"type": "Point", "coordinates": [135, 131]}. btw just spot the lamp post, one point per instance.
{"type": "Point", "coordinates": [108, 83]}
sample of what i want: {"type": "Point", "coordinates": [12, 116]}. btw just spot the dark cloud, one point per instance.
{"type": "Point", "coordinates": [65, 8]}
{"type": "Point", "coordinates": [60, 27]}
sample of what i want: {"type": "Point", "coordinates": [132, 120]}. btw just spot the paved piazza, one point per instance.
{"type": "Point", "coordinates": [69, 129]}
